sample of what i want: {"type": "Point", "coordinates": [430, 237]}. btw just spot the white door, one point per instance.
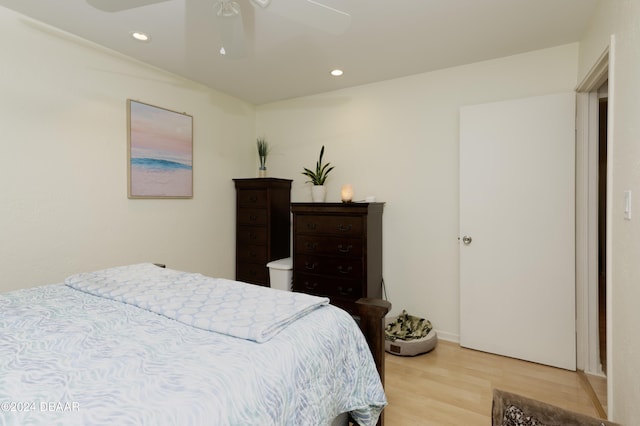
{"type": "Point", "coordinates": [517, 268]}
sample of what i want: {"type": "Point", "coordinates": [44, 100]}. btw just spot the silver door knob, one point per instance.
{"type": "Point", "coordinates": [466, 239]}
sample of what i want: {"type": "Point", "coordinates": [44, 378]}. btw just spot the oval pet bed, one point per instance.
{"type": "Point", "coordinates": [401, 332]}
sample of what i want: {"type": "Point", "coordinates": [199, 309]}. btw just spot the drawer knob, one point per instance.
{"type": "Point", "coordinates": [253, 198]}
{"type": "Point", "coordinates": [310, 286]}
{"type": "Point", "coordinates": [253, 218]}
{"type": "Point", "coordinates": [345, 291]}
{"type": "Point", "coordinates": [344, 270]}
{"type": "Point", "coordinates": [343, 228]}
{"type": "Point", "coordinates": [311, 246]}
{"type": "Point", "coordinates": [310, 266]}
{"type": "Point", "coordinates": [343, 249]}
{"type": "Point", "coordinates": [311, 226]}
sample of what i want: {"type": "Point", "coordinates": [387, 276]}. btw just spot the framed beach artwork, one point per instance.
{"type": "Point", "coordinates": [160, 152]}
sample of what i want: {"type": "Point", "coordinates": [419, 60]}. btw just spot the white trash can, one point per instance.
{"type": "Point", "coordinates": [281, 273]}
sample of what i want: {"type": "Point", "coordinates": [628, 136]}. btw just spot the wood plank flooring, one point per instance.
{"type": "Point", "coordinates": [453, 386]}
{"type": "Point", "coordinates": [599, 386]}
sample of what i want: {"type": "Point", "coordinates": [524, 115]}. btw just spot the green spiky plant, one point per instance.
{"type": "Point", "coordinates": [263, 151]}
{"type": "Point", "coordinates": [318, 176]}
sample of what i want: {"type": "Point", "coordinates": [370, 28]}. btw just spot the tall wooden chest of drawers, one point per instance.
{"type": "Point", "coordinates": [337, 251]}
{"type": "Point", "coordinates": [262, 226]}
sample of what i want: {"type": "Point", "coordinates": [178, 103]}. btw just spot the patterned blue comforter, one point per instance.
{"type": "Point", "coordinates": [72, 358]}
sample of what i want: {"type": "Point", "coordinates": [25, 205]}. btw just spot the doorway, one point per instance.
{"type": "Point", "coordinates": [603, 105]}
{"type": "Point", "coordinates": [594, 145]}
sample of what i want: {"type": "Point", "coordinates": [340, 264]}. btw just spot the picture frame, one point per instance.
{"type": "Point", "coordinates": [159, 152]}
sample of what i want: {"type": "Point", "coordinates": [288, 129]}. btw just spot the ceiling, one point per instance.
{"type": "Point", "coordinates": [285, 58]}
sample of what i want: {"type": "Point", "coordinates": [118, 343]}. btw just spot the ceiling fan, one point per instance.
{"type": "Point", "coordinates": [312, 13]}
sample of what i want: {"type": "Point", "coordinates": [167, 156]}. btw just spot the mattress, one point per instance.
{"type": "Point", "coordinates": [73, 356]}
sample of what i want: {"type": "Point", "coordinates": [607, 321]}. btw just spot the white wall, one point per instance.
{"type": "Point", "coordinates": [63, 175]}
{"type": "Point", "coordinates": [398, 140]}
{"type": "Point", "coordinates": [622, 19]}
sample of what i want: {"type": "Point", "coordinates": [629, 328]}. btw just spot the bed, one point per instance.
{"type": "Point", "coordinates": [140, 344]}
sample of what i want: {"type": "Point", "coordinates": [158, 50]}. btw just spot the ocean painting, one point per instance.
{"type": "Point", "coordinates": [160, 152]}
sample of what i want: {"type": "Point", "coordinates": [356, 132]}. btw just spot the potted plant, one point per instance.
{"type": "Point", "coordinates": [317, 177]}
{"type": "Point", "coordinates": [263, 151]}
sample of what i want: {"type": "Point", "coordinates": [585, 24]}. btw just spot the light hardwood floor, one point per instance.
{"type": "Point", "coordinates": [453, 386]}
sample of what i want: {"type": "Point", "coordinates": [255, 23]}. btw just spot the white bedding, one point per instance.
{"type": "Point", "coordinates": [69, 357]}
{"type": "Point", "coordinates": [230, 307]}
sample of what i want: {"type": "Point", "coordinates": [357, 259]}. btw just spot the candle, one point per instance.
{"type": "Point", "coordinates": [346, 195]}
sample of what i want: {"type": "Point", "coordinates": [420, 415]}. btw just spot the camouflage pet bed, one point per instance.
{"type": "Point", "coordinates": [407, 335]}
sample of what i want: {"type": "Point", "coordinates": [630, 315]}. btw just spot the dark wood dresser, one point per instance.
{"type": "Point", "coordinates": [337, 251]}
{"type": "Point", "coordinates": [262, 226]}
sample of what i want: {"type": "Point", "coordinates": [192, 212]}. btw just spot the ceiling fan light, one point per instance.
{"type": "Point", "coordinates": [228, 9]}
{"type": "Point", "coordinates": [231, 29]}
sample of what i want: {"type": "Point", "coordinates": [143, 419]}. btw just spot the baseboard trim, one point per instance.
{"type": "Point", "coordinates": [449, 337]}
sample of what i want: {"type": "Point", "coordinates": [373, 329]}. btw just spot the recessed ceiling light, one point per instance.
{"type": "Point", "coordinates": [336, 73]}
{"type": "Point", "coordinates": [140, 36]}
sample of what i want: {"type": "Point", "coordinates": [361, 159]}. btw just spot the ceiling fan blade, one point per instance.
{"type": "Point", "coordinates": [312, 13]}
{"type": "Point", "coordinates": [231, 29]}
{"type": "Point", "coordinates": [119, 5]}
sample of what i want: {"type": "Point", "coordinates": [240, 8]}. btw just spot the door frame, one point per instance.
{"type": "Point", "coordinates": [588, 358]}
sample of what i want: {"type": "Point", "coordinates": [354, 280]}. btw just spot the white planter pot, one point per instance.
{"type": "Point", "coordinates": [318, 193]}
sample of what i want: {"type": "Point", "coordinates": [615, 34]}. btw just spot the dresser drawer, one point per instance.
{"type": "Point", "coordinates": [333, 225]}
{"type": "Point", "coordinates": [252, 273]}
{"type": "Point", "coordinates": [248, 216]}
{"type": "Point", "coordinates": [247, 235]}
{"type": "Point", "coordinates": [326, 286]}
{"type": "Point", "coordinates": [252, 254]}
{"type": "Point", "coordinates": [252, 198]}
{"type": "Point", "coordinates": [330, 266]}
{"type": "Point", "coordinates": [333, 246]}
